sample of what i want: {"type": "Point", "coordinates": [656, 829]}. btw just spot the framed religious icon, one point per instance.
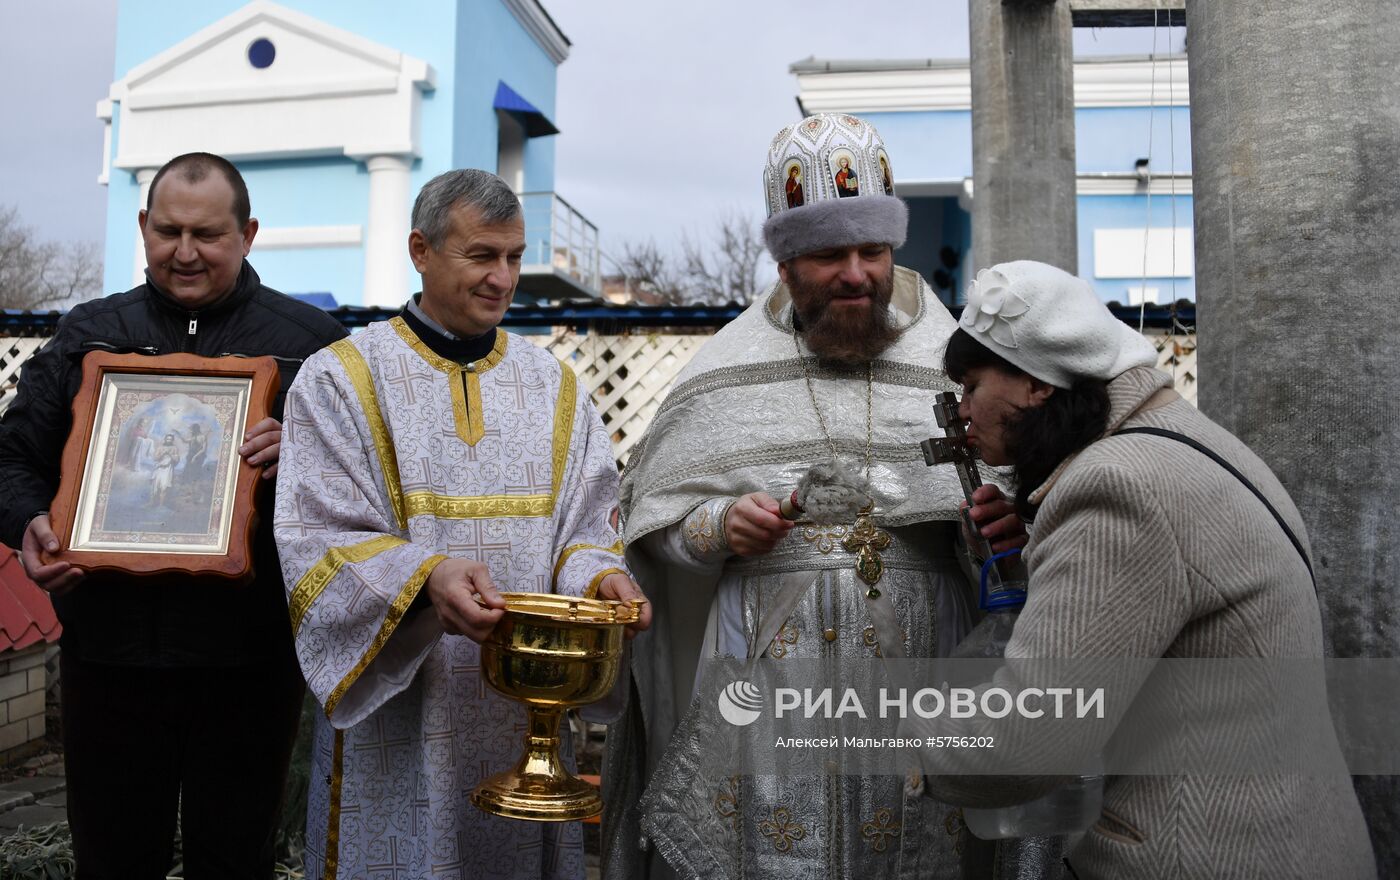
{"type": "Point", "coordinates": [151, 479]}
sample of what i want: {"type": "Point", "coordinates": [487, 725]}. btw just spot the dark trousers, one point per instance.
{"type": "Point", "coordinates": [143, 745]}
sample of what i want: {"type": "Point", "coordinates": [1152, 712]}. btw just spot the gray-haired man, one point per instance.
{"type": "Point", "coordinates": [429, 462]}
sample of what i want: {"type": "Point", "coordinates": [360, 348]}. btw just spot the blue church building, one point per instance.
{"type": "Point", "coordinates": [337, 113]}
{"type": "Point", "coordinates": [1133, 158]}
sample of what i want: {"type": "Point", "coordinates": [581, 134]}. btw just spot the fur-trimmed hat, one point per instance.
{"type": "Point", "coordinates": [1050, 324]}
{"type": "Point", "coordinates": [829, 183]}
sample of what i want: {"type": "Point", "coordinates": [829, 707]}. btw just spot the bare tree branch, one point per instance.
{"type": "Point", "coordinates": [44, 275]}
{"type": "Point", "coordinates": [727, 271]}
{"type": "Point", "coordinates": [650, 272]}
{"type": "Point", "coordinates": [726, 268]}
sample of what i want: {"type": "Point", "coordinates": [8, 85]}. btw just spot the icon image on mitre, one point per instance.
{"type": "Point", "coordinates": [792, 185]}
{"type": "Point", "coordinates": [843, 172]}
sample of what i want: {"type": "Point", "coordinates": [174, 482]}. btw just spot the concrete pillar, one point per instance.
{"type": "Point", "coordinates": [1023, 133]}
{"type": "Point", "coordinates": [1295, 132]}
{"type": "Point", "coordinates": [144, 176]}
{"type": "Point", "coordinates": [386, 235]}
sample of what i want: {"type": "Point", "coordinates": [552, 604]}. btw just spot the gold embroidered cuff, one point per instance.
{"type": "Point", "coordinates": [591, 591]}
{"type": "Point", "coordinates": [616, 550]}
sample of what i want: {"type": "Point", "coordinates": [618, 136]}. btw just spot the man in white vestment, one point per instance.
{"type": "Point", "coordinates": [836, 367]}
{"type": "Point", "coordinates": [428, 464]}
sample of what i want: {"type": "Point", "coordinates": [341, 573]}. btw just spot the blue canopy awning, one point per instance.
{"type": "Point", "coordinates": [535, 123]}
{"type": "Point", "coordinates": [320, 299]}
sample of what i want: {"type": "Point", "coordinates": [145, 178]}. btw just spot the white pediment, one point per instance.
{"type": "Point", "coordinates": [326, 92]}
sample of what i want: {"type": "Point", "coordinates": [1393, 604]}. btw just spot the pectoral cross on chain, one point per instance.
{"type": "Point", "coordinates": [866, 541]}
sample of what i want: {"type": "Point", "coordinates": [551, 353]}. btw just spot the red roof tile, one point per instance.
{"type": "Point", "coordinates": [26, 614]}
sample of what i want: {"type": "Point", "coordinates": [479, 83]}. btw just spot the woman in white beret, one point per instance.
{"type": "Point", "coordinates": [1145, 545]}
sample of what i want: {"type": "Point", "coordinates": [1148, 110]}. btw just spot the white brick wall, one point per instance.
{"type": "Point", "coordinates": [22, 681]}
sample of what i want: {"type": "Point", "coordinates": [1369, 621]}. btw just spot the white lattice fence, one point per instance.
{"type": "Point", "coordinates": [14, 351]}
{"type": "Point", "coordinates": [1176, 354]}
{"type": "Point", "coordinates": [628, 376]}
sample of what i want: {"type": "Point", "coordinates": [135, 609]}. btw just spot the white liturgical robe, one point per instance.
{"type": "Point", "coordinates": [394, 458]}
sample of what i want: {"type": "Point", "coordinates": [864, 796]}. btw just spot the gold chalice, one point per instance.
{"type": "Point", "coordinates": [550, 652]}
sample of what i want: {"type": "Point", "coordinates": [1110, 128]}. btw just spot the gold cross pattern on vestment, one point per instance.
{"type": "Point", "coordinates": [866, 541]}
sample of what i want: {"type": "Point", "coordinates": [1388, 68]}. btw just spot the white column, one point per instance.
{"type": "Point", "coordinates": [386, 235]}
{"type": "Point", "coordinates": [143, 180]}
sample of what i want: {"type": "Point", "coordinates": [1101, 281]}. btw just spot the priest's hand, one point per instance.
{"type": "Point", "coordinates": [997, 520]}
{"type": "Point", "coordinates": [753, 524]}
{"type": "Point", "coordinates": [464, 598]}
{"type": "Point", "coordinates": [56, 577]}
{"type": "Point", "coordinates": [621, 587]}
{"type": "Point", "coordinates": [262, 445]}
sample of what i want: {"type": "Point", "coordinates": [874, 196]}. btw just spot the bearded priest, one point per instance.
{"type": "Point", "coordinates": [826, 385]}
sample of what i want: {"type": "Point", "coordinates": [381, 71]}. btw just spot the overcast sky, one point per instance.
{"type": "Point", "coordinates": [665, 108]}
{"type": "Point", "coordinates": [57, 56]}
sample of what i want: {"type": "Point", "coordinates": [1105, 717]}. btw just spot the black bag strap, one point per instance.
{"type": "Point", "coordinates": [1211, 454]}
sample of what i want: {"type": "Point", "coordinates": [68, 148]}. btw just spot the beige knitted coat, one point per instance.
{"type": "Point", "coordinates": [1143, 547]}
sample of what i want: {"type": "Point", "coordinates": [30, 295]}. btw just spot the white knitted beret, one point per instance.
{"type": "Point", "coordinates": [1050, 324]}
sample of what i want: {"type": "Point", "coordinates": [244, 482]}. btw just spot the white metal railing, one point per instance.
{"type": "Point", "coordinates": [558, 235]}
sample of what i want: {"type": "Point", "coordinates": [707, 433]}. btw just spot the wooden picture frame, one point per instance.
{"type": "Point", "coordinates": [151, 480]}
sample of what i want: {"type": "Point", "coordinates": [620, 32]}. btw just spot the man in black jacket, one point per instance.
{"type": "Point", "coordinates": [176, 695]}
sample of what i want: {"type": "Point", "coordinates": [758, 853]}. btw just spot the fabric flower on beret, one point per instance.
{"type": "Point", "coordinates": [1050, 324]}
{"type": "Point", "coordinates": [992, 307]}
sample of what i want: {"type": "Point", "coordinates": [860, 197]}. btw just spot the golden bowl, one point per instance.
{"type": "Point", "coordinates": [551, 653]}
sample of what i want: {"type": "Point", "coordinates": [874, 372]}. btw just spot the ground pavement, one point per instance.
{"type": "Point", "coordinates": [34, 800]}
{"type": "Point", "coordinates": [39, 797]}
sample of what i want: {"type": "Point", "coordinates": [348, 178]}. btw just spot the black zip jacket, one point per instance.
{"type": "Point", "coordinates": [141, 621]}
